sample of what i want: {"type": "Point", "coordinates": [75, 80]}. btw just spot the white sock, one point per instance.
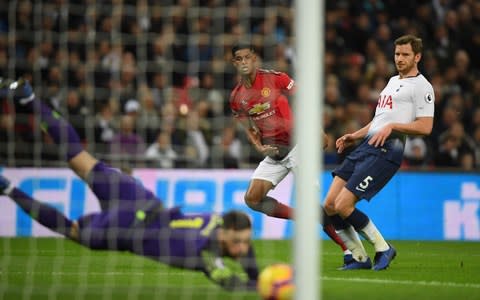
{"type": "Point", "coordinates": [26, 100]}
{"type": "Point", "coordinates": [371, 234]}
{"type": "Point", "coordinates": [351, 239]}
{"type": "Point", "coordinates": [8, 189]}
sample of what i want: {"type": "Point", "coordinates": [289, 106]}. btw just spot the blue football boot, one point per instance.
{"type": "Point", "coordinates": [20, 90]}
{"type": "Point", "coordinates": [357, 265]}
{"type": "Point", "coordinates": [347, 258]}
{"type": "Point", "coordinates": [382, 259]}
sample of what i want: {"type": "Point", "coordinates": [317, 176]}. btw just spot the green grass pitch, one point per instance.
{"type": "Point", "coordinates": [52, 268]}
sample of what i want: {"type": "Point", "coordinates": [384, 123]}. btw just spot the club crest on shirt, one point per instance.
{"type": "Point", "coordinates": [259, 108]}
{"type": "Point", "coordinates": [428, 98]}
{"type": "Point", "coordinates": [266, 92]}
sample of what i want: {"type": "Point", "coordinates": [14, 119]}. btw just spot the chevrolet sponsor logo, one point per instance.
{"type": "Point", "coordinates": [259, 108]}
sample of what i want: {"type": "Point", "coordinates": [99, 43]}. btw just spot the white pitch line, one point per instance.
{"type": "Point", "coordinates": [404, 282]}
{"type": "Point", "coordinates": [328, 278]}
{"type": "Point", "coordinates": [106, 273]}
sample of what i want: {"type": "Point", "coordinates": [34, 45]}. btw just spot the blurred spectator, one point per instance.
{"type": "Point", "coordinates": [190, 141]}
{"type": "Point", "coordinates": [476, 140]}
{"type": "Point", "coordinates": [467, 162]}
{"type": "Point", "coordinates": [110, 56]}
{"type": "Point", "coordinates": [161, 152]}
{"type": "Point", "coordinates": [76, 112]}
{"type": "Point", "coordinates": [208, 92]}
{"type": "Point", "coordinates": [159, 90]}
{"type": "Point", "coordinates": [454, 143]}
{"type": "Point", "coordinates": [227, 150]}
{"type": "Point", "coordinates": [448, 154]}
{"type": "Point", "coordinates": [132, 108]}
{"type": "Point", "coordinates": [148, 120]}
{"type": "Point", "coordinates": [126, 144]}
{"type": "Point", "coordinates": [462, 65]}
{"type": "Point", "coordinates": [415, 154]}
{"type": "Point", "coordinates": [6, 133]}
{"type": "Point", "coordinates": [105, 128]}
{"type": "Point", "coordinates": [442, 122]}
{"type": "Point", "coordinates": [196, 139]}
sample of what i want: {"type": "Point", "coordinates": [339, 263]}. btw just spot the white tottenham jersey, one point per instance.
{"type": "Point", "coordinates": [402, 101]}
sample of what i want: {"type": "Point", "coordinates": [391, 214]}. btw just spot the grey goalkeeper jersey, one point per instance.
{"type": "Point", "coordinates": [402, 101]}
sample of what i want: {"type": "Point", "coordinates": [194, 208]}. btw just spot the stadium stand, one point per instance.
{"type": "Point", "coordinates": [166, 65]}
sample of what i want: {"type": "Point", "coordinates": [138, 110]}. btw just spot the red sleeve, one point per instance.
{"type": "Point", "coordinates": [237, 111]}
{"type": "Point", "coordinates": [286, 83]}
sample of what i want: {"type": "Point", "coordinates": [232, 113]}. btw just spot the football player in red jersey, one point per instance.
{"type": "Point", "coordinates": [260, 103]}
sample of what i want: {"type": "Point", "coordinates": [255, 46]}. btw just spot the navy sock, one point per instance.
{"type": "Point", "coordinates": [326, 219]}
{"type": "Point", "coordinates": [329, 229]}
{"type": "Point", "coordinates": [357, 219]}
{"type": "Point", "coordinates": [57, 127]}
{"type": "Point", "coordinates": [338, 222]}
{"type": "Point", "coordinates": [42, 213]}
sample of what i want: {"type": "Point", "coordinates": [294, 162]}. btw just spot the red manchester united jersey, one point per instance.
{"type": "Point", "coordinates": [266, 104]}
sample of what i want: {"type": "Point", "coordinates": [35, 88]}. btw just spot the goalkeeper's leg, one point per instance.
{"type": "Point", "coordinates": [42, 213]}
{"type": "Point", "coordinates": [51, 122]}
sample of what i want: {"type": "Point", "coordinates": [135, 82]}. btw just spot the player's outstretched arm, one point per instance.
{"type": "Point", "coordinates": [421, 126]}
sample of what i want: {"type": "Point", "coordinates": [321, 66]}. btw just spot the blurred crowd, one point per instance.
{"type": "Point", "coordinates": [147, 83]}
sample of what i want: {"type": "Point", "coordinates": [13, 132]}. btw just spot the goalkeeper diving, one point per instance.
{"type": "Point", "coordinates": [132, 218]}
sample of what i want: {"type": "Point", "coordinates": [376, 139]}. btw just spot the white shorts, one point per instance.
{"type": "Point", "coordinates": [275, 170]}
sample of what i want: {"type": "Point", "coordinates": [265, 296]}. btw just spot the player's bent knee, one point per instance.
{"type": "Point", "coordinates": [343, 209]}
{"type": "Point", "coordinates": [253, 201]}
{"type": "Point", "coordinates": [252, 198]}
{"type": "Point", "coordinates": [255, 205]}
{"type": "Point", "coordinates": [329, 207]}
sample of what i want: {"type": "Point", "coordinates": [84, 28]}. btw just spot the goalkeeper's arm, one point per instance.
{"type": "Point", "coordinates": [227, 272]}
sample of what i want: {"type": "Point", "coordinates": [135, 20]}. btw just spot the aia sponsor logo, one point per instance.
{"type": "Point", "coordinates": [385, 101]}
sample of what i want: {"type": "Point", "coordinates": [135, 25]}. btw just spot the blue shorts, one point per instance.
{"type": "Point", "coordinates": [365, 173]}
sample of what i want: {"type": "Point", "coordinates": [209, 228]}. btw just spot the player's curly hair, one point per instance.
{"type": "Point", "coordinates": [236, 220]}
{"type": "Point", "coordinates": [416, 42]}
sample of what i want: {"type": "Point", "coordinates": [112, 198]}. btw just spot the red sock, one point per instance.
{"type": "Point", "coordinates": [330, 231]}
{"type": "Point", "coordinates": [282, 211]}
{"type": "Point", "coordinates": [286, 212]}
{"type": "Point", "coordinates": [271, 207]}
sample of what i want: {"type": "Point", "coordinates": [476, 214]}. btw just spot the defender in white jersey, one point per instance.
{"type": "Point", "coordinates": [405, 107]}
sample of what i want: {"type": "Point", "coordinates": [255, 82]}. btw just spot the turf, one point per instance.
{"type": "Point", "coordinates": [51, 268]}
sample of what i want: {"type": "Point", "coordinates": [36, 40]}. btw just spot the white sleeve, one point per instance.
{"type": "Point", "coordinates": [424, 99]}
